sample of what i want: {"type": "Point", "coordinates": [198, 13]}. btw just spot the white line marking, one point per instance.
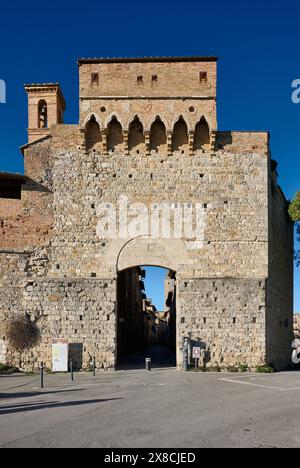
{"type": "Point", "coordinates": [269, 387]}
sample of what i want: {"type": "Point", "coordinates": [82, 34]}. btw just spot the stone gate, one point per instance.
{"type": "Point", "coordinates": [148, 133]}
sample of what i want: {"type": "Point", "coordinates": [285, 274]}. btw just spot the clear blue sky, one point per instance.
{"type": "Point", "coordinates": [257, 42]}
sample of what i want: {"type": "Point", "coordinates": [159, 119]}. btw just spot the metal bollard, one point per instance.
{"type": "Point", "coordinates": [185, 352]}
{"type": "Point", "coordinates": [71, 370]}
{"type": "Point", "coordinates": [148, 364]}
{"type": "Point", "coordinates": [42, 375]}
{"type": "Point", "coordinates": [94, 367]}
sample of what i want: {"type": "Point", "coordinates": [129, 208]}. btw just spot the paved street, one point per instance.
{"type": "Point", "coordinates": [162, 408]}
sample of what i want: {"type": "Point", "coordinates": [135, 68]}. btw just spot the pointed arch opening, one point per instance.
{"type": "Point", "coordinates": [136, 138]}
{"type": "Point", "coordinates": [180, 140]}
{"type": "Point", "coordinates": [42, 114]}
{"type": "Point", "coordinates": [93, 134]}
{"type": "Point", "coordinates": [158, 136]}
{"type": "Point", "coordinates": [115, 138]}
{"type": "Point", "coordinates": [202, 137]}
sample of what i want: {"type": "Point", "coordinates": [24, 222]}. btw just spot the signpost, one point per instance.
{"type": "Point", "coordinates": [196, 354]}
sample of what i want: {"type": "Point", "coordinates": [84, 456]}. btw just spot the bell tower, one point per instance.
{"type": "Point", "coordinates": [46, 106]}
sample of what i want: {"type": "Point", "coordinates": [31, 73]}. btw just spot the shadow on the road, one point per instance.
{"type": "Point", "coordinates": [55, 404]}
{"type": "Point", "coordinates": [6, 396]}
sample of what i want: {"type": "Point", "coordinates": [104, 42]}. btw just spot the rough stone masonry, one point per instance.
{"type": "Point", "coordinates": [147, 130]}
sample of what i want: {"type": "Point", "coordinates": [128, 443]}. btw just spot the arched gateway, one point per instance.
{"type": "Point", "coordinates": [145, 178]}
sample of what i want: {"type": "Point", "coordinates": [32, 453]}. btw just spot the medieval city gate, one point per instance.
{"type": "Point", "coordinates": [148, 135]}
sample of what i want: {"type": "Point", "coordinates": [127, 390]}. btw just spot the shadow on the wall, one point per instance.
{"type": "Point", "coordinates": [223, 139]}
{"type": "Point", "coordinates": [75, 354]}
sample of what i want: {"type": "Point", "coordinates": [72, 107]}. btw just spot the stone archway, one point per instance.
{"type": "Point", "coordinates": [133, 257]}
{"type": "Point", "coordinates": [166, 253]}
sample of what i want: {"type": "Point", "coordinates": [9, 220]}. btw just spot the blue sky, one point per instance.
{"type": "Point", "coordinates": [257, 43]}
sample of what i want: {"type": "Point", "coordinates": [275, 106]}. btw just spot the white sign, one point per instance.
{"type": "Point", "coordinates": [196, 353]}
{"type": "Point", "coordinates": [60, 357]}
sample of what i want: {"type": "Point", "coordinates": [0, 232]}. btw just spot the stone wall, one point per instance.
{"type": "Point", "coordinates": [279, 312]}
{"type": "Point", "coordinates": [79, 312]}
{"type": "Point", "coordinates": [228, 317]}
{"type": "Point", "coordinates": [236, 224]}
{"type": "Point", "coordinates": [12, 281]}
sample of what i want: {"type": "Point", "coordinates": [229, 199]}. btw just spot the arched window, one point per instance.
{"type": "Point", "coordinates": [180, 140]}
{"type": "Point", "coordinates": [115, 138]}
{"type": "Point", "coordinates": [158, 136]}
{"type": "Point", "coordinates": [136, 138]}
{"type": "Point", "coordinates": [93, 134]}
{"type": "Point", "coordinates": [201, 134]}
{"type": "Point", "coordinates": [42, 114]}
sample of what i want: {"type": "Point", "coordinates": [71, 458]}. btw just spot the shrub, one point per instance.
{"type": "Point", "coordinates": [232, 369]}
{"type": "Point", "coordinates": [22, 333]}
{"type": "Point", "coordinates": [265, 370]}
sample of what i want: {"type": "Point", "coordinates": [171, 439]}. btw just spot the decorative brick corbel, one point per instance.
{"type": "Point", "coordinates": [191, 142]}
{"type": "Point", "coordinates": [126, 147]}
{"type": "Point", "coordinates": [213, 137]}
{"type": "Point", "coordinates": [147, 141]}
{"type": "Point", "coordinates": [104, 141]}
{"type": "Point", "coordinates": [169, 142]}
{"type": "Point", "coordinates": [82, 138]}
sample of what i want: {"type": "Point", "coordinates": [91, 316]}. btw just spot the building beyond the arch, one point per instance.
{"type": "Point", "coordinates": [147, 130]}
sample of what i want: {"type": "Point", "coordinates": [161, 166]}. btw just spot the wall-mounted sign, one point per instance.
{"type": "Point", "coordinates": [60, 357]}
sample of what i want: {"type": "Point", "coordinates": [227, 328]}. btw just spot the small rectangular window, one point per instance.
{"type": "Point", "coordinates": [139, 79]}
{"type": "Point", "coordinates": [203, 77]}
{"type": "Point", "coordinates": [95, 78]}
{"type": "Point", "coordinates": [154, 79]}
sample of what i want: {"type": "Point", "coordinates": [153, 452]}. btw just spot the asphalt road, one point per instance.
{"type": "Point", "coordinates": [158, 409]}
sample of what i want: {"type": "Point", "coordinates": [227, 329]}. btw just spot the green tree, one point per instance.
{"type": "Point", "coordinates": [294, 211]}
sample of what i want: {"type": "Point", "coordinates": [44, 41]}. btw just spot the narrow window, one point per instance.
{"type": "Point", "coordinates": [154, 79]}
{"type": "Point", "coordinates": [203, 77]}
{"type": "Point", "coordinates": [43, 114]}
{"type": "Point", "coordinates": [95, 78]}
{"type": "Point", "coordinates": [139, 79]}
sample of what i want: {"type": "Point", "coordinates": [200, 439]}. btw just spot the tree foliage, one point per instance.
{"type": "Point", "coordinates": [294, 211]}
